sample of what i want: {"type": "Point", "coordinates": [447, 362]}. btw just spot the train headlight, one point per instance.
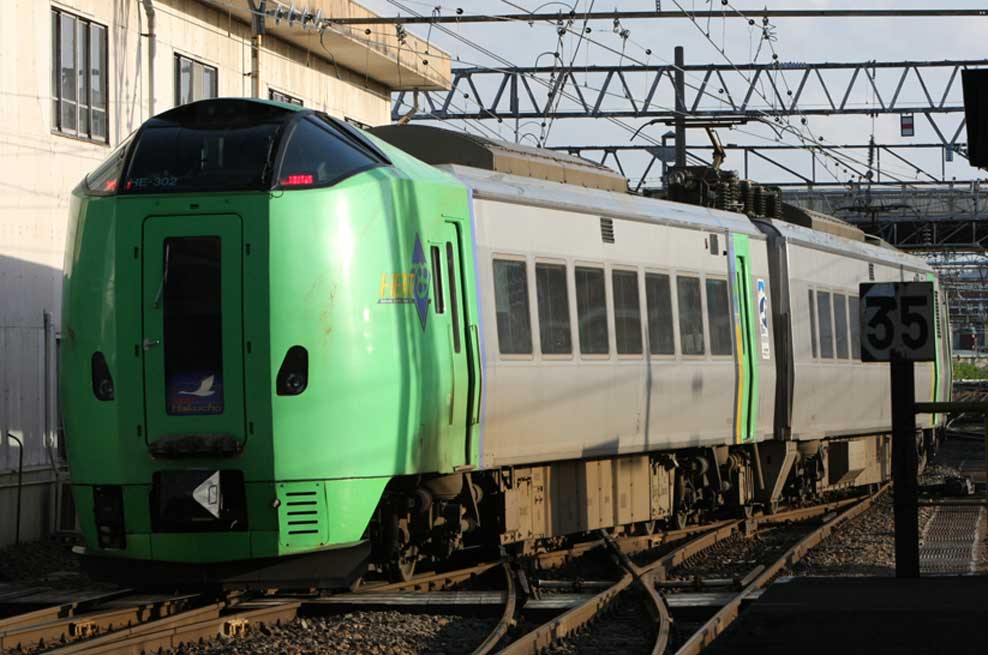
{"type": "Point", "coordinates": [293, 376]}
{"type": "Point", "coordinates": [102, 380]}
{"type": "Point", "coordinates": [109, 514]}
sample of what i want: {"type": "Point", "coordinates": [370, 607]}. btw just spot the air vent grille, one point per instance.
{"type": "Point", "coordinates": [871, 272]}
{"type": "Point", "coordinates": [301, 514]}
{"type": "Point", "coordinates": [607, 230]}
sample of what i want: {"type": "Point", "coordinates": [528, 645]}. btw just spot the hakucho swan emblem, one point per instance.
{"type": "Point", "coordinates": [409, 288]}
{"type": "Point", "coordinates": [205, 388]}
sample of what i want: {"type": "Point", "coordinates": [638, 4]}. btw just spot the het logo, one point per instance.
{"type": "Point", "coordinates": [409, 288]}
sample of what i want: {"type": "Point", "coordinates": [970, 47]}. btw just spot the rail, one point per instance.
{"type": "Point", "coordinates": [113, 623]}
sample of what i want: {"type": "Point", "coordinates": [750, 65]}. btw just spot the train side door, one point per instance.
{"type": "Point", "coordinates": [446, 267]}
{"type": "Point", "coordinates": [746, 416]}
{"type": "Point", "coordinates": [193, 327]}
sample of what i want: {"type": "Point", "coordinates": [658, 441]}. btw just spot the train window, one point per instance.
{"type": "Point", "coordinates": [219, 145]}
{"type": "Point", "coordinates": [812, 323]}
{"type": "Point", "coordinates": [439, 302]}
{"type": "Point", "coordinates": [554, 326]}
{"type": "Point", "coordinates": [454, 309]}
{"type": "Point", "coordinates": [627, 313]}
{"type": "Point", "coordinates": [690, 315]}
{"type": "Point", "coordinates": [658, 295]}
{"type": "Point", "coordinates": [591, 308]}
{"type": "Point", "coordinates": [514, 328]}
{"type": "Point", "coordinates": [853, 312]}
{"type": "Point", "coordinates": [826, 325]}
{"type": "Point", "coordinates": [719, 317]}
{"type": "Point", "coordinates": [840, 324]}
{"type": "Point", "coordinates": [191, 301]}
{"type": "Point", "coordinates": [318, 155]}
{"type": "Point", "coordinates": [104, 180]}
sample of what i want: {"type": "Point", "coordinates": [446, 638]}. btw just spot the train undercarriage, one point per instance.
{"type": "Point", "coordinates": [423, 521]}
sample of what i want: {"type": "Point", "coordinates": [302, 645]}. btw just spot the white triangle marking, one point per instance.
{"type": "Point", "coordinates": [207, 494]}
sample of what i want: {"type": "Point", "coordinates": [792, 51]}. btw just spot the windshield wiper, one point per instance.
{"type": "Point", "coordinates": [164, 278]}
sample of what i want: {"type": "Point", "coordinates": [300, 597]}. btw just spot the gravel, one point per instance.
{"type": "Point", "coordinates": [357, 633]}
{"type": "Point", "coordinates": [865, 545]}
{"type": "Point", "coordinates": [737, 555]}
{"type": "Point", "coordinates": [42, 563]}
{"type": "Point", "coordinates": [625, 627]}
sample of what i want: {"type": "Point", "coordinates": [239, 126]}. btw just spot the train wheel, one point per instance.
{"type": "Point", "coordinates": [403, 567]}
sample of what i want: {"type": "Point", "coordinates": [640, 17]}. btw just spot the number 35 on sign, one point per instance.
{"type": "Point", "coordinates": [897, 322]}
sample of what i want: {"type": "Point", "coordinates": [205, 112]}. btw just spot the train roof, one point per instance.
{"type": "Point", "coordinates": [492, 185]}
{"type": "Point", "coordinates": [435, 145]}
{"type": "Point", "coordinates": [879, 252]}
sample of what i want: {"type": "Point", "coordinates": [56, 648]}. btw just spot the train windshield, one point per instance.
{"type": "Point", "coordinates": [221, 145]}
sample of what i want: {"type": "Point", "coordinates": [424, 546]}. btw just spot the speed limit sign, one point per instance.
{"type": "Point", "coordinates": [897, 322]}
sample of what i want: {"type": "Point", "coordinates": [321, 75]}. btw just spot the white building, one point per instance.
{"type": "Point", "coordinates": [77, 77]}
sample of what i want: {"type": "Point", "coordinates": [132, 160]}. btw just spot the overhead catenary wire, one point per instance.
{"type": "Point", "coordinates": [842, 161]}
{"type": "Point", "coordinates": [462, 18]}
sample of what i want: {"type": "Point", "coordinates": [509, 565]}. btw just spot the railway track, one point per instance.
{"type": "Point", "coordinates": [537, 604]}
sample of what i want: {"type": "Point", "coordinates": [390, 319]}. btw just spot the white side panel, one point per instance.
{"type": "Point", "coordinates": [550, 407]}
{"type": "Point", "coordinates": [839, 396]}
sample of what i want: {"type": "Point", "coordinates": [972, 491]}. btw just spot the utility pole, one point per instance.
{"type": "Point", "coordinates": [257, 37]}
{"type": "Point", "coordinates": [680, 108]}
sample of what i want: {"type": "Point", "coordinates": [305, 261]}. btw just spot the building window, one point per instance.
{"type": "Point", "coordinates": [194, 80]}
{"type": "Point", "coordinates": [591, 310]}
{"type": "Point", "coordinates": [353, 121]}
{"type": "Point", "coordinates": [690, 315]}
{"type": "Point", "coordinates": [719, 317]}
{"type": "Point", "coordinates": [554, 329]}
{"type": "Point", "coordinates": [79, 76]}
{"type": "Point", "coordinates": [514, 329]}
{"type": "Point", "coordinates": [658, 296]}
{"type": "Point", "coordinates": [278, 96]}
{"type": "Point", "coordinates": [627, 313]}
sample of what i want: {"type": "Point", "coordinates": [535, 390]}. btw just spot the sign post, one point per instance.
{"type": "Point", "coordinates": [897, 327]}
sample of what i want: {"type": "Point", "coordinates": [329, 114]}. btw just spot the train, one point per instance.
{"type": "Point", "coordinates": [294, 351]}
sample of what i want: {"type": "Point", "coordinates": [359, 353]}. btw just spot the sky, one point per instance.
{"type": "Point", "coordinates": [794, 40]}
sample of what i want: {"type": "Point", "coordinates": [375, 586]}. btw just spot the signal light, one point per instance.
{"type": "Point", "coordinates": [299, 179]}
{"type": "Point", "coordinates": [111, 185]}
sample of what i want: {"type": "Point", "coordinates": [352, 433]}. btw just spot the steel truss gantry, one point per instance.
{"type": "Point", "coordinates": [723, 92]}
{"type": "Point", "coordinates": [642, 164]}
{"type": "Point", "coordinates": [909, 218]}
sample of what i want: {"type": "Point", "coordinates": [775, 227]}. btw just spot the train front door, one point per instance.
{"type": "Point", "coordinates": [193, 329]}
